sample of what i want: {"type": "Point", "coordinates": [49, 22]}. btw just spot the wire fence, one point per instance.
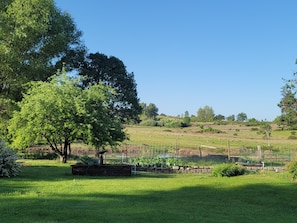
{"type": "Point", "coordinates": [123, 154]}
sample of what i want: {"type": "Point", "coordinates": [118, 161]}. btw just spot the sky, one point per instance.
{"type": "Point", "coordinates": [230, 55]}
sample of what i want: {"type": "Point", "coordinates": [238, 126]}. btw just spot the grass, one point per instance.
{"type": "Point", "coordinates": [45, 191]}
{"type": "Point", "coordinates": [236, 135]}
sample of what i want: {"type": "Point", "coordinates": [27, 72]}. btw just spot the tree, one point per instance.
{"type": "Point", "coordinates": [241, 117]}
{"type": "Point", "coordinates": [288, 103]}
{"type": "Point", "coordinates": [219, 117]}
{"type": "Point", "coordinates": [61, 113]}
{"type": "Point", "coordinates": [231, 118]}
{"type": "Point", "coordinates": [35, 38]}
{"type": "Point", "coordinates": [266, 129]}
{"type": "Point", "coordinates": [186, 121]}
{"type": "Point", "coordinates": [112, 72]}
{"type": "Point", "coordinates": [7, 106]}
{"type": "Point", "coordinates": [151, 111]}
{"type": "Point", "coordinates": [205, 114]}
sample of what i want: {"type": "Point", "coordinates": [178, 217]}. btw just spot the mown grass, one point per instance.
{"type": "Point", "coordinates": [46, 191]}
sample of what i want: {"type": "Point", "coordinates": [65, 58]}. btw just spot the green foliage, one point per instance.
{"type": "Point", "coordinates": [288, 103]}
{"type": "Point", "coordinates": [173, 124]}
{"type": "Point", "coordinates": [292, 169]}
{"type": "Point", "coordinates": [85, 159]}
{"type": "Point", "coordinates": [8, 165]}
{"type": "Point", "coordinates": [7, 106]}
{"type": "Point", "coordinates": [241, 117]}
{"type": "Point", "coordinates": [209, 130]}
{"type": "Point", "coordinates": [156, 161]}
{"type": "Point", "coordinates": [186, 120]}
{"type": "Point", "coordinates": [150, 111]}
{"type": "Point", "coordinates": [292, 135]}
{"type": "Point", "coordinates": [166, 122]}
{"type": "Point", "coordinates": [35, 38]}
{"type": "Point", "coordinates": [60, 112]}
{"type": "Point", "coordinates": [228, 170]}
{"type": "Point", "coordinates": [111, 71]}
{"type": "Point", "coordinates": [205, 114]}
{"type": "Point", "coordinates": [149, 122]}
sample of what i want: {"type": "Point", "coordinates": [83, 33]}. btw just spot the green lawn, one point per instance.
{"type": "Point", "coordinates": [46, 191]}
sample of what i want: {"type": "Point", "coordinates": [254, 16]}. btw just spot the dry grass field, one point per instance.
{"type": "Point", "coordinates": [204, 139]}
{"type": "Point", "coordinates": [219, 136]}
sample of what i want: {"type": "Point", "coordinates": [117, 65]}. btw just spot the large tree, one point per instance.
{"type": "Point", "coordinates": [205, 114]}
{"type": "Point", "coordinates": [111, 71]}
{"type": "Point", "coordinates": [35, 38]}
{"type": "Point", "coordinates": [60, 113]}
{"type": "Point", "coordinates": [241, 117]}
{"type": "Point", "coordinates": [151, 111]}
{"type": "Point", "coordinates": [288, 103]}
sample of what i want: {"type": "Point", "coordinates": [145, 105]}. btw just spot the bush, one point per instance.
{"type": "Point", "coordinates": [85, 159]}
{"type": "Point", "coordinates": [148, 122]}
{"type": "Point", "coordinates": [228, 170]}
{"type": "Point", "coordinates": [292, 168]}
{"type": "Point", "coordinates": [173, 124]}
{"type": "Point", "coordinates": [8, 165]}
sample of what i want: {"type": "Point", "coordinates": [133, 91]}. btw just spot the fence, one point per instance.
{"type": "Point", "coordinates": [271, 157]}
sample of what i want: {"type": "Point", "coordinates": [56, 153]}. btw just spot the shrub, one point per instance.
{"type": "Point", "coordinates": [173, 124]}
{"type": "Point", "coordinates": [85, 159]}
{"type": "Point", "coordinates": [292, 168]}
{"type": "Point", "coordinates": [148, 122]}
{"type": "Point", "coordinates": [228, 170]}
{"type": "Point", "coordinates": [8, 165]}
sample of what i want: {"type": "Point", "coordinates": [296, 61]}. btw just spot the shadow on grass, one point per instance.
{"type": "Point", "coordinates": [254, 203]}
{"type": "Point", "coordinates": [215, 203]}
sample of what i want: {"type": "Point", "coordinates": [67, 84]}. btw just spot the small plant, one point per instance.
{"type": "Point", "coordinates": [85, 159]}
{"type": "Point", "coordinates": [8, 165]}
{"type": "Point", "coordinates": [228, 170]}
{"type": "Point", "coordinates": [293, 135]}
{"type": "Point", "coordinates": [292, 168]}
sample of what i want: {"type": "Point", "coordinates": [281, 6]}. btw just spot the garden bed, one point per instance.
{"type": "Point", "coordinates": [102, 170]}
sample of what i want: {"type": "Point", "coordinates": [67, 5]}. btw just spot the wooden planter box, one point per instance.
{"type": "Point", "coordinates": [102, 170]}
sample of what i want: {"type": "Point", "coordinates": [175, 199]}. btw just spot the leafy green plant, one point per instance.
{"type": "Point", "coordinates": [148, 122]}
{"type": "Point", "coordinates": [8, 165]}
{"type": "Point", "coordinates": [155, 161]}
{"type": "Point", "coordinates": [228, 170]}
{"type": "Point", "coordinates": [292, 168]}
{"type": "Point", "coordinates": [85, 159]}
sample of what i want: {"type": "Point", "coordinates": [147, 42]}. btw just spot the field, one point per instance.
{"type": "Point", "coordinates": [218, 135]}
{"type": "Point", "coordinates": [200, 141]}
{"type": "Point", "coordinates": [45, 191]}
{"type": "Point", "coordinates": [203, 139]}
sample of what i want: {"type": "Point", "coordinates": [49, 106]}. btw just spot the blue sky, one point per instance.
{"type": "Point", "coordinates": [231, 55]}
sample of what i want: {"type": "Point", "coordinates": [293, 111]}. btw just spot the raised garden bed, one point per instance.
{"type": "Point", "coordinates": [102, 170]}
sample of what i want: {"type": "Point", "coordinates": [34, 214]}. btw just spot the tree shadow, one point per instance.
{"type": "Point", "coordinates": [249, 203]}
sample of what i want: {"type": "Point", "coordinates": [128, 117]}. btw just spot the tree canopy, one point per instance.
{"type": "Point", "coordinates": [205, 114]}
{"type": "Point", "coordinates": [112, 72]}
{"type": "Point", "coordinates": [288, 103]}
{"type": "Point", "coordinates": [35, 38]}
{"type": "Point", "coordinates": [241, 117]}
{"type": "Point", "coordinates": [60, 113]}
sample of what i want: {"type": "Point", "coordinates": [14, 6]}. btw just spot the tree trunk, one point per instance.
{"type": "Point", "coordinates": [63, 158]}
{"type": "Point", "coordinates": [61, 152]}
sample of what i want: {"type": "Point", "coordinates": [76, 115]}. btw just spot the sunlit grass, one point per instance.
{"type": "Point", "coordinates": [233, 135]}
{"type": "Point", "coordinates": [46, 191]}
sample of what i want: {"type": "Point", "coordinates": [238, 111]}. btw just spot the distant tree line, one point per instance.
{"type": "Point", "coordinates": [205, 114]}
